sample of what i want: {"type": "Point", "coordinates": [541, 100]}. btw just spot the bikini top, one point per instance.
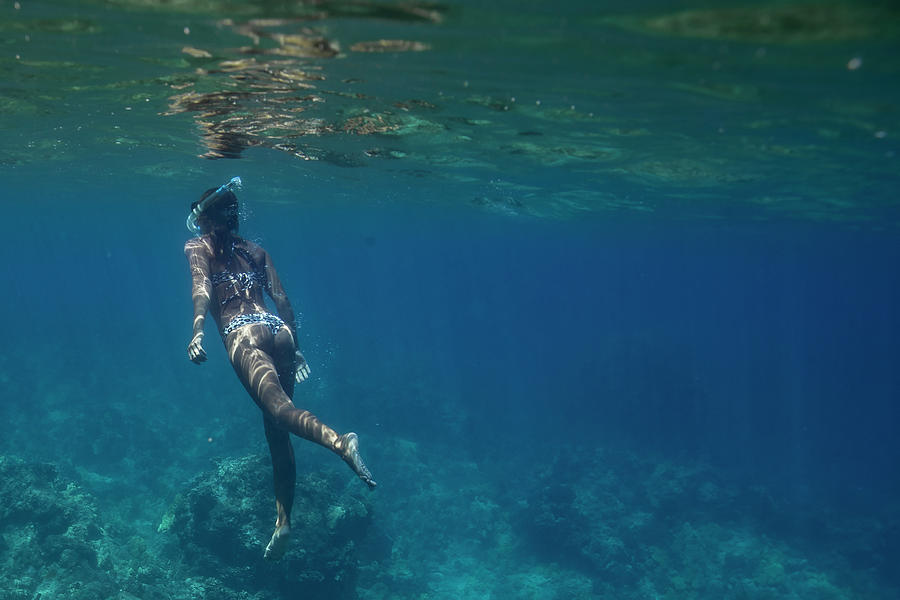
{"type": "Point", "coordinates": [242, 282]}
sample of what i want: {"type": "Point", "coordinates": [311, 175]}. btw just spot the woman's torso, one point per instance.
{"type": "Point", "coordinates": [239, 279]}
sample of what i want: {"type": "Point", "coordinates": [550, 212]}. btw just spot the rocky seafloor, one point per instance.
{"type": "Point", "coordinates": [56, 544]}
{"type": "Point", "coordinates": [610, 524]}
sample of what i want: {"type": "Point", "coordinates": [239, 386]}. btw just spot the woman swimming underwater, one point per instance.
{"type": "Point", "coordinates": [229, 277]}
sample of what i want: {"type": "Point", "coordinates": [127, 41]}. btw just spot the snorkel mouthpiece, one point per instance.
{"type": "Point", "coordinates": [233, 184]}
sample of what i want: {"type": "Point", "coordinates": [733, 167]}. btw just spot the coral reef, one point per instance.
{"type": "Point", "coordinates": [51, 541]}
{"type": "Point", "coordinates": [223, 521]}
{"type": "Point", "coordinates": [651, 528]}
{"type": "Point", "coordinates": [54, 543]}
{"type": "Point", "coordinates": [584, 524]}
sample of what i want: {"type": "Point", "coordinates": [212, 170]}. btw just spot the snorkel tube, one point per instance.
{"type": "Point", "coordinates": [233, 184]}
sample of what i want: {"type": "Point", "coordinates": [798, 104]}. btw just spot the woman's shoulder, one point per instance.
{"type": "Point", "coordinates": [196, 244]}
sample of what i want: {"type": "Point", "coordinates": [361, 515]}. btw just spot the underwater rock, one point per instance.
{"type": "Point", "coordinates": [678, 530]}
{"type": "Point", "coordinates": [224, 520]}
{"type": "Point", "coordinates": [51, 543]}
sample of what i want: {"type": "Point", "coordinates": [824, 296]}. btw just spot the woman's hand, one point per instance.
{"type": "Point", "coordinates": [302, 369]}
{"type": "Point", "coordinates": [195, 349]}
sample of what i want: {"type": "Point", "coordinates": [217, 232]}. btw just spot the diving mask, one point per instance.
{"type": "Point", "coordinates": [233, 184]}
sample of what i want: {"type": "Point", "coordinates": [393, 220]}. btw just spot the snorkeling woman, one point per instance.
{"type": "Point", "coordinates": [229, 277]}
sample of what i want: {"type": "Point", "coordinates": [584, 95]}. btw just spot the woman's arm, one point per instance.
{"type": "Point", "coordinates": [279, 296]}
{"type": "Point", "coordinates": [201, 292]}
{"type": "Point", "coordinates": [286, 314]}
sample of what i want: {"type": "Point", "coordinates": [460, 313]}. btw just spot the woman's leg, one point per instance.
{"type": "Point", "coordinates": [284, 474]}
{"type": "Point", "coordinates": [284, 470]}
{"type": "Point", "coordinates": [265, 365]}
{"type": "Point", "coordinates": [257, 371]}
{"type": "Point", "coordinates": [250, 349]}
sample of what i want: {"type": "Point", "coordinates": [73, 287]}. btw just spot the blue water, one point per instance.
{"type": "Point", "coordinates": [618, 318]}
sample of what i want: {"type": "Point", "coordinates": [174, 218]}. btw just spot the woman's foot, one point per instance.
{"type": "Point", "coordinates": [347, 446]}
{"type": "Point", "coordinates": [279, 543]}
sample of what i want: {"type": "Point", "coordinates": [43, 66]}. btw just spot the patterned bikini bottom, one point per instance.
{"type": "Point", "coordinates": [269, 320]}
